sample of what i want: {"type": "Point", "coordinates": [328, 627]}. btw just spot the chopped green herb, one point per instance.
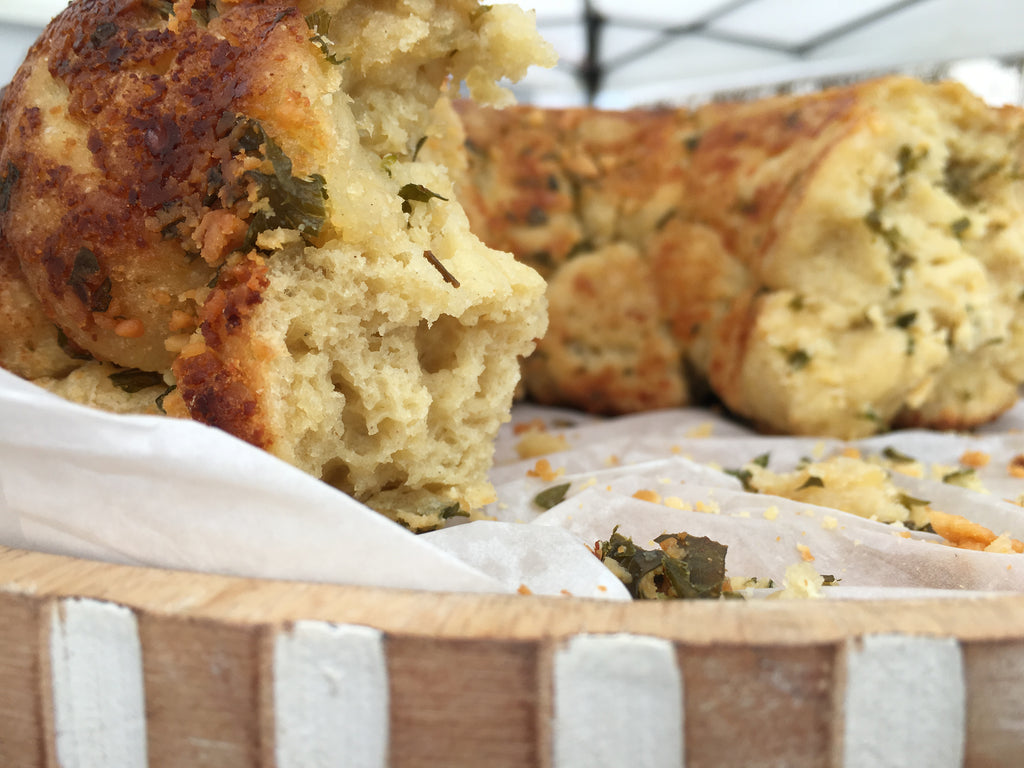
{"type": "Point", "coordinates": [387, 163]}
{"type": "Point", "coordinates": [900, 265]}
{"type": "Point", "coordinates": [868, 413]}
{"type": "Point", "coordinates": [959, 477]}
{"type": "Point", "coordinates": [7, 182]}
{"type": "Point", "coordinates": [82, 281]}
{"type": "Point", "coordinates": [960, 226]}
{"type": "Point", "coordinates": [906, 320]}
{"type": "Point", "coordinates": [829, 580]}
{"type": "Point", "coordinates": [216, 277]}
{"type": "Point", "coordinates": [664, 219]}
{"type": "Point", "coordinates": [294, 203]}
{"type": "Point", "coordinates": [900, 458]}
{"type": "Point", "coordinates": [692, 142]}
{"type": "Point", "coordinates": [453, 510]}
{"type": "Point", "coordinates": [164, 7]}
{"type": "Point", "coordinates": [552, 496]}
{"type": "Point", "coordinates": [961, 178]}
{"type": "Point", "coordinates": [478, 12]}
{"type": "Point", "coordinates": [685, 567]}
{"type": "Point", "coordinates": [319, 22]}
{"type": "Point", "coordinates": [744, 476]}
{"type": "Point", "coordinates": [910, 501]}
{"type": "Point", "coordinates": [798, 359]}
{"type": "Point", "coordinates": [132, 380]}
{"type": "Point", "coordinates": [69, 348]}
{"type": "Point", "coordinates": [813, 481]}
{"type": "Point", "coordinates": [908, 159]}
{"type": "Point", "coordinates": [411, 193]}
{"type": "Point", "coordinates": [170, 230]}
{"type": "Point", "coordinates": [161, 398]}
{"type": "Point", "coordinates": [796, 303]}
{"type": "Point", "coordinates": [891, 235]}
{"type": "Point", "coordinates": [419, 146]}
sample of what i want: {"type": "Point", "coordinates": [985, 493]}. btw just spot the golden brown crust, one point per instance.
{"type": "Point", "coordinates": [219, 377]}
{"type": "Point", "coordinates": [151, 117]}
{"type": "Point", "coordinates": [750, 163]}
{"type": "Point", "coordinates": [554, 186]}
{"type": "Point", "coordinates": [835, 263]}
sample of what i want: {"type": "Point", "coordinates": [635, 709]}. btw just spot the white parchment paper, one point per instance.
{"type": "Point", "coordinates": [175, 494]}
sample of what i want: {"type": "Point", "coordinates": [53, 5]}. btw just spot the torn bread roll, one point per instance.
{"type": "Point", "coordinates": [837, 263]}
{"type": "Point", "coordinates": [241, 212]}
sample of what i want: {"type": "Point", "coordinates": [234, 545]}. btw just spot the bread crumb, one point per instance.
{"type": "Point", "coordinates": [829, 523]}
{"type": "Point", "coordinates": [533, 444]}
{"type": "Point", "coordinates": [524, 590]}
{"type": "Point", "coordinates": [801, 582]}
{"type": "Point", "coordinates": [677, 503]}
{"type": "Point", "coordinates": [646, 495]}
{"type": "Point", "coordinates": [1016, 468]}
{"type": "Point", "coordinates": [543, 470]}
{"type": "Point", "coordinates": [701, 430]}
{"type": "Point", "coordinates": [975, 459]}
{"type": "Point", "coordinates": [535, 425]}
{"type": "Point", "coordinates": [805, 553]}
{"type": "Point", "coordinates": [771, 513]}
{"type": "Point", "coordinates": [1002, 544]}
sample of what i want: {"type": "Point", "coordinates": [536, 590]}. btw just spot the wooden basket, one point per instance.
{"type": "Point", "coordinates": [114, 666]}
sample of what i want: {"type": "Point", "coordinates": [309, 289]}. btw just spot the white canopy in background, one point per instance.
{"type": "Point", "coordinates": [682, 50]}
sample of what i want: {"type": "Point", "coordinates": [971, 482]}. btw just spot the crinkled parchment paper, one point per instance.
{"type": "Point", "coordinates": [175, 494]}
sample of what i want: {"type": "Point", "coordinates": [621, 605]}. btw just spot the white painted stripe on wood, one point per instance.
{"type": "Point", "coordinates": [98, 692]}
{"type": "Point", "coordinates": [905, 702]}
{"type": "Point", "coordinates": [618, 701]}
{"type": "Point", "coordinates": [331, 699]}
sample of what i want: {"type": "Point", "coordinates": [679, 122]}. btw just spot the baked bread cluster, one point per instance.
{"type": "Point", "coordinates": [837, 263]}
{"type": "Point", "coordinates": [241, 212]}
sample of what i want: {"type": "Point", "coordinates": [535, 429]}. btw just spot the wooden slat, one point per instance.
{"type": "Point", "coordinates": [994, 673]}
{"type": "Point", "coordinates": [463, 703]}
{"type": "Point", "coordinates": [758, 705]}
{"type": "Point", "coordinates": [202, 681]}
{"type": "Point", "coordinates": [21, 706]}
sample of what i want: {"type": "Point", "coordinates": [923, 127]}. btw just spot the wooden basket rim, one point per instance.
{"type": "Point", "coordinates": [248, 601]}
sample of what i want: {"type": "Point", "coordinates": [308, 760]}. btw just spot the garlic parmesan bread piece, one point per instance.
{"type": "Point", "coordinates": [837, 263]}
{"type": "Point", "coordinates": [242, 213]}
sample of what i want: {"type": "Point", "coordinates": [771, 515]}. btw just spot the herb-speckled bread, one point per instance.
{"type": "Point", "coordinates": [836, 263]}
{"type": "Point", "coordinates": [241, 212]}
